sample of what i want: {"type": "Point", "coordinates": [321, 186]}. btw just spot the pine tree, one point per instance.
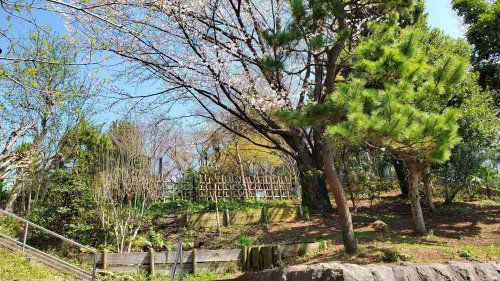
{"type": "Point", "coordinates": [394, 99]}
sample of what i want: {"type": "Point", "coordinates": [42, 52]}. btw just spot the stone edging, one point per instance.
{"type": "Point", "coordinates": [453, 271]}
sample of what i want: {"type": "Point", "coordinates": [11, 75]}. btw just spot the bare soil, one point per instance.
{"type": "Point", "coordinates": [467, 231]}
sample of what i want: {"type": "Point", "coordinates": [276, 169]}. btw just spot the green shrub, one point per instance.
{"type": "Point", "coordinates": [245, 240]}
{"type": "Point", "coordinates": [141, 242]}
{"type": "Point", "coordinates": [467, 252]}
{"type": "Point", "coordinates": [393, 255]}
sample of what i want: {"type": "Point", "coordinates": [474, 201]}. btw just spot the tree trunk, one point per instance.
{"type": "Point", "coordinates": [346, 180]}
{"type": "Point", "coordinates": [313, 187]}
{"type": "Point", "coordinates": [428, 191]}
{"type": "Point", "coordinates": [402, 175]}
{"type": "Point", "coordinates": [9, 206]}
{"type": "Point", "coordinates": [339, 194]}
{"type": "Point", "coordinates": [414, 197]}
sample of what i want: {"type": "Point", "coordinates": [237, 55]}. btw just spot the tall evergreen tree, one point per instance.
{"type": "Point", "coordinates": [393, 99]}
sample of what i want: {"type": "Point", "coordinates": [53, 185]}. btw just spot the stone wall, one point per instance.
{"type": "Point", "coordinates": [350, 272]}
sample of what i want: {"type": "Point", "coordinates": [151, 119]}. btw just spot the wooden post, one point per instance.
{"type": "Point", "coordinates": [271, 185]}
{"type": "Point", "coordinates": [195, 262]}
{"type": "Point", "coordinates": [255, 255]}
{"type": "Point", "coordinates": [244, 257]}
{"type": "Point", "coordinates": [151, 260]}
{"type": "Point", "coordinates": [278, 255]}
{"type": "Point", "coordinates": [226, 217]}
{"type": "Point", "coordinates": [264, 214]}
{"type": "Point", "coordinates": [267, 257]}
{"type": "Point", "coordinates": [105, 259]}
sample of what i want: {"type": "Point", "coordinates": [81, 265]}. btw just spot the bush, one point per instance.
{"type": "Point", "coordinates": [245, 240]}
{"type": "Point", "coordinates": [393, 255]}
{"type": "Point", "coordinates": [467, 252]}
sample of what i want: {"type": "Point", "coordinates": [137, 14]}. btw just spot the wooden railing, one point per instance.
{"type": "Point", "coordinates": [28, 224]}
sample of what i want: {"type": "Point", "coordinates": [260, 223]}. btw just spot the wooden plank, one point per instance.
{"type": "Point", "coordinates": [162, 257]}
{"type": "Point", "coordinates": [151, 260]}
{"type": "Point", "coordinates": [194, 258]}
{"type": "Point", "coordinates": [105, 259]}
{"type": "Point", "coordinates": [128, 258]}
{"type": "Point", "coordinates": [244, 258]}
{"type": "Point", "coordinates": [277, 250]}
{"type": "Point", "coordinates": [219, 255]}
{"type": "Point", "coordinates": [166, 268]}
{"type": "Point", "coordinates": [295, 250]}
{"type": "Point", "coordinates": [255, 257]}
{"type": "Point", "coordinates": [267, 257]}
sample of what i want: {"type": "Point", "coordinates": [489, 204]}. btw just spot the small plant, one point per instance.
{"type": "Point", "coordinates": [141, 242]}
{"type": "Point", "coordinates": [245, 240]}
{"type": "Point", "coordinates": [389, 255]}
{"type": "Point", "coordinates": [467, 252]}
{"type": "Point", "coordinates": [430, 236]}
{"type": "Point", "coordinates": [232, 267]}
{"type": "Point", "coordinates": [188, 245]}
{"type": "Point", "coordinates": [302, 252]}
{"type": "Point", "coordinates": [393, 255]}
{"type": "Point", "coordinates": [362, 252]}
{"type": "Point", "coordinates": [156, 239]}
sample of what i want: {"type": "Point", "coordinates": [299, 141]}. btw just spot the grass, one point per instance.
{"type": "Point", "coordinates": [17, 267]}
{"type": "Point", "coordinates": [144, 276]}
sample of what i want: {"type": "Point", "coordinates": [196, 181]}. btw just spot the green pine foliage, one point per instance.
{"type": "Point", "coordinates": [395, 94]}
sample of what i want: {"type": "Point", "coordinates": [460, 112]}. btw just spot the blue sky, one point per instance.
{"type": "Point", "coordinates": [440, 14]}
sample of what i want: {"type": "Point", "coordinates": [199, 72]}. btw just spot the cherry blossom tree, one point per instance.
{"type": "Point", "coordinates": [249, 58]}
{"type": "Point", "coordinates": [246, 57]}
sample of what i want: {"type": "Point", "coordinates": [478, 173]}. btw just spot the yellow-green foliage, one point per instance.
{"type": "Point", "coordinates": [250, 153]}
{"type": "Point", "coordinates": [15, 266]}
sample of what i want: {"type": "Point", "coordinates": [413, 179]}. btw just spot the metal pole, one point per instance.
{"type": "Point", "coordinates": [25, 235]}
{"type": "Point", "coordinates": [174, 267]}
{"type": "Point", "coordinates": [181, 274]}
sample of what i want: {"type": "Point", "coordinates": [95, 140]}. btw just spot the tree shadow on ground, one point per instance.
{"type": "Point", "coordinates": [456, 221]}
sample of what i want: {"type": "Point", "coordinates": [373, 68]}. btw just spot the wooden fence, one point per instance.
{"type": "Point", "coordinates": [202, 260]}
{"type": "Point", "coordinates": [196, 260]}
{"type": "Point", "coordinates": [256, 187]}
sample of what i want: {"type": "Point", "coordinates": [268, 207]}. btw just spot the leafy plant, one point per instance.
{"type": "Point", "coordinates": [245, 240]}
{"type": "Point", "coordinates": [467, 252]}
